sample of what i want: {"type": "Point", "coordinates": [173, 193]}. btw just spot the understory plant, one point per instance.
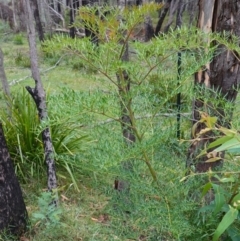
{"type": "Point", "coordinates": [130, 67]}
{"type": "Point", "coordinates": [220, 215]}
{"type": "Point", "coordinates": [23, 134]}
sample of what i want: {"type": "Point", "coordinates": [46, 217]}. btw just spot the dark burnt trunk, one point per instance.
{"type": "Point", "coordinates": [92, 35]}
{"type": "Point", "coordinates": [13, 213]}
{"type": "Point", "coordinates": [72, 17]}
{"type": "Point", "coordinates": [179, 23]}
{"type": "Point", "coordinates": [162, 16]}
{"type": "Point", "coordinates": [149, 31]}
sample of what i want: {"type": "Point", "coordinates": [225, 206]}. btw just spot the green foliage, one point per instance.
{"type": "Point", "coordinates": [107, 58]}
{"type": "Point", "coordinates": [222, 214]}
{"type": "Point", "coordinates": [162, 210]}
{"type": "Point", "coordinates": [22, 59]}
{"type": "Point", "coordinates": [152, 72]}
{"type": "Point", "coordinates": [18, 39]}
{"type": "Point", "coordinates": [48, 214]}
{"type": "Point", "coordinates": [5, 32]}
{"type": "Point", "coordinates": [23, 134]}
{"type": "Point", "coordinates": [20, 130]}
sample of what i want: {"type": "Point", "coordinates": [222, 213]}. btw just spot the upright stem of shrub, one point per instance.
{"type": "Point", "coordinates": [128, 123]}
{"type": "Point", "coordinates": [179, 68]}
{"type": "Point", "coordinates": [39, 97]}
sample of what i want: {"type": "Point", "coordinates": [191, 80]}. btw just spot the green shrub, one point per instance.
{"type": "Point", "coordinates": [23, 134]}
{"type": "Point", "coordinates": [22, 59]}
{"type": "Point", "coordinates": [48, 214]}
{"type": "Point", "coordinates": [18, 39]}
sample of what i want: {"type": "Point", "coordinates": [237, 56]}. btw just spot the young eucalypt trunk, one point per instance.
{"type": "Point", "coordinates": [38, 94]}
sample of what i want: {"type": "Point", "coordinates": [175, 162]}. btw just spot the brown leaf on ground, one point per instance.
{"type": "Point", "coordinates": [103, 218]}
{"type": "Point", "coordinates": [23, 238]}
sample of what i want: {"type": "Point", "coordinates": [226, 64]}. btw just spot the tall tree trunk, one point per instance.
{"type": "Point", "coordinates": [192, 9]}
{"type": "Point", "coordinates": [19, 8]}
{"type": "Point", "coordinates": [14, 15]}
{"type": "Point", "coordinates": [36, 15]}
{"type": "Point", "coordinates": [39, 97]}
{"type": "Point", "coordinates": [221, 76]}
{"type": "Point", "coordinates": [93, 35]}
{"type": "Point", "coordinates": [72, 17]}
{"type": "Point", "coordinates": [162, 15]}
{"type": "Point", "coordinates": [149, 31]}
{"type": "Point", "coordinates": [172, 10]}
{"type": "Point", "coordinates": [5, 85]}
{"type": "Point", "coordinates": [13, 213]}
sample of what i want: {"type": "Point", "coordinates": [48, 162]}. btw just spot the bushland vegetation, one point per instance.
{"type": "Point", "coordinates": [86, 99]}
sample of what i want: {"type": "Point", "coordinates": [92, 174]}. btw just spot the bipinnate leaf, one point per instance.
{"type": "Point", "coordinates": [227, 220]}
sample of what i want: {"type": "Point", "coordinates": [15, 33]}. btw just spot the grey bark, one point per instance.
{"type": "Point", "coordinates": [3, 77]}
{"type": "Point", "coordinates": [39, 97]}
{"type": "Point", "coordinates": [172, 10]}
{"type": "Point", "coordinates": [192, 10]}
{"type": "Point", "coordinates": [13, 213]}
{"type": "Point", "coordinates": [179, 21]}
{"type": "Point", "coordinates": [14, 15]}
{"type": "Point", "coordinates": [36, 14]}
{"type": "Point", "coordinates": [6, 14]}
{"type": "Point", "coordinates": [19, 8]}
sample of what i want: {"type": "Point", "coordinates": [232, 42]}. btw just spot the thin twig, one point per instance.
{"type": "Point", "coordinates": [13, 82]}
{"type": "Point", "coordinates": [142, 117]}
